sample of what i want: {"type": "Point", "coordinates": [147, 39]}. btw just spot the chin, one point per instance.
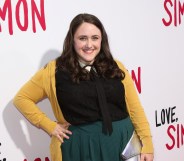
{"type": "Point", "coordinates": [89, 61]}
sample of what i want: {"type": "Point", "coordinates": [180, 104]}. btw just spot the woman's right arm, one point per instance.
{"type": "Point", "coordinates": [26, 102]}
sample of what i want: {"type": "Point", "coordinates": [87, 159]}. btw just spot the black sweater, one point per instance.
{"type": "Point", "coordinates": [92, 100]}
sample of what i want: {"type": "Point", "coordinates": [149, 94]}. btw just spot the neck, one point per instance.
{"type": "Point", "coordinates": [87, 66]}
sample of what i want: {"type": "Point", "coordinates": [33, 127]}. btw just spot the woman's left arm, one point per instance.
{"type": "Point", "coordinates": [137, 115]}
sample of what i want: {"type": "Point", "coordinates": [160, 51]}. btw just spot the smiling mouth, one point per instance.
{"type": "Point", "coordinates": [89, 51]}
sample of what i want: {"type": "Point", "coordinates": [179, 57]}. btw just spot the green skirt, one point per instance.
{"type": "Point", "coordinates": [88, 143]}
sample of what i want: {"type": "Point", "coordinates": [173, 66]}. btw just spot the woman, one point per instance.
{"type": "Point", "coordinates": [92, 96]}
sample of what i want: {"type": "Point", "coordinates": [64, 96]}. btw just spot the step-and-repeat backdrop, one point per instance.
{"type": "Point", "coordinates": [147, 36]}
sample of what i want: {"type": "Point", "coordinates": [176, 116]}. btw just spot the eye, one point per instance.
{"type": "Point", "coordinates": [94, 38]}
{"type": "Point", "coordinates": [83, 38]}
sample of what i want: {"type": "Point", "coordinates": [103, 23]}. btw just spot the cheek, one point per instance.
{"type": "Point", "coordinates": [78, 46]}
{"type": "Point", "coordinates": [75, 47]}
{"type": "Point", "coordinates": [78, 49]}
{"type": "Point", "coordinates": [98, 45]}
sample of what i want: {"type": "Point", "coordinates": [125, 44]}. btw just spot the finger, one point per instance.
{"type": "Point", "coordinates": [66, 125]}
{"type": "Point", "coordinates": [142, 157]}
{"type": "Point", "coordinates": [64, 135]}
{"type": "Point", "coordinates": [67, 132]}
{"type": "Point", "coordinates": [60, 138]}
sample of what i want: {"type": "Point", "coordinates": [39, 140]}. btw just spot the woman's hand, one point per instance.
{"type": "Point", "coordinates": [146, 157]}
{"type": "Point", "coordinates": [61, 131]}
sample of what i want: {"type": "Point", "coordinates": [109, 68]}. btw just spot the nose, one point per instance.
{"type": "Point", "coordinates": [89, 43]}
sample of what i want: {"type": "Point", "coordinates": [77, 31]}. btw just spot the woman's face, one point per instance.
{"type": "Point", "coordinates": [87, 42]}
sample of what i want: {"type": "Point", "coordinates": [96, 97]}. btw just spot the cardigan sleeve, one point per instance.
{"type": "Point", "coordinates": [136, 112]}
{"type": "Point", "coordinates": [26, 102]}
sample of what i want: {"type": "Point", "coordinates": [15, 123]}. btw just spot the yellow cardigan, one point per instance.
{"type": "Point", "coordinates": [42, 85]}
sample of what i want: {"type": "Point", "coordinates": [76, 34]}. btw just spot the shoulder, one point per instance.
{"type": "Point", "coordinates": [120, 65]}
{"type": "Point", "coordinates": [45, 71]}
{"type": "Point", "coordinates": [51, 64]}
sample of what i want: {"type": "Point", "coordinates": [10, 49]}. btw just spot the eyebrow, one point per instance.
{"type": "Point", "coordinates": [87, 36]}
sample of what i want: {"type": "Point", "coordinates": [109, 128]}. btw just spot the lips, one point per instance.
{"type": "Point", "coordinates": [88, 51]}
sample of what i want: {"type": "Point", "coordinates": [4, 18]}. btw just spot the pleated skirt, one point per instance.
{"type": "Point", "coordinates": [88, 143]}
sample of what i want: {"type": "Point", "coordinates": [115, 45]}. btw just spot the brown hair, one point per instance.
{"type": "Point", "coordinates": [104, 62]}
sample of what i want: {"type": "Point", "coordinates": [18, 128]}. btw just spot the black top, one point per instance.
{"type": "Point", "coordinates": [92, 100]}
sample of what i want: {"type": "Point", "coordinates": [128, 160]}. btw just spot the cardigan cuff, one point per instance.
{"type": "Point", "coordinates": [147, 145]}
{"type": "Point", "coordinates": [48, 125]}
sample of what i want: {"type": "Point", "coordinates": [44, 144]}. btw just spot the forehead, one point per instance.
{"type": "Point", "coordinates": [87, 29]}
